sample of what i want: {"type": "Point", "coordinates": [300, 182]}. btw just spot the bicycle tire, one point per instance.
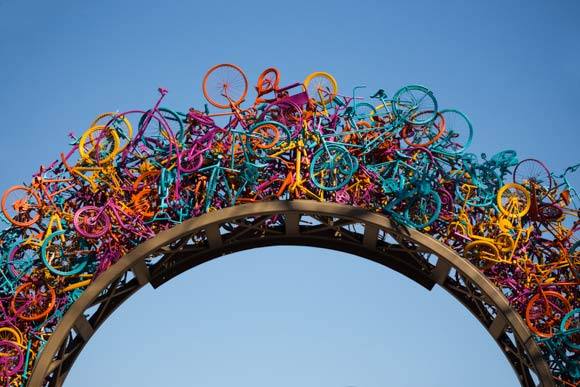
{"type": "Point", "coordinates": [264, 137]}
{"type": "Point", "coordinates": [52, 252]}
{"type": "Point", "coordinates": [21, 259]}
{"type": "Point", "coordinates": [539, 313]}
{"type": "Point", "coordinates": [216, 83]}
{"type": "Point", "coordinates": [12, 358]}
{"type": "Point", "coordinates": [513, 200]}
{"type": "Point", "coordinates": [411, 101]}
{"type": "Point", "coordinates": [268, 81]}
{"type": "Point", "coordinates": [91, 222]}
{"type": "Point", "coordinates": [535, 172]}
{"type": "Point", "coordinates": [422, 210]}
{"type": "Point", "coordinates": [10, 334]}
{"type": "Point", "coordinates": [36, 310]}
{"type": "Point", "coordinates": [331, 168]}
{"type": "Point", "coordinates": [321, 87]}
{"type": "Point", "coordinates": [99, 148]}
{"type": "Point", "coordinates": [287, 113]}
{"type": "Point", "coordinates": [425, 134]}
{"type": "Point", "coordinates": [190, 160]}
{"type": "Point", "coordinates": [570, 328]}
{"type": "Point", "coordinates": [458, 133]}
{"type": "Point", "coordinates": [114, 120]}
{"type": "Point", "coordinates": [29, 213]}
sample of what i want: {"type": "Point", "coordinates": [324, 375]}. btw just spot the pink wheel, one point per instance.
{"type": "Point", "coordinates": [11, 358]}
{"type": "Point", "coordinates": [92, 222]}
{"type": "Point", "coordinates": [190, 160]}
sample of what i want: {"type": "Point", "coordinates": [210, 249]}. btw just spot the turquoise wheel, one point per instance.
{"type": "Point", "coordinates": [364, 111]}
{"type": "Point", "coordinates": [63, 253]}
{"type": "Point", "coordinates": [457, 135]}
{"type": "Point", "coordinates": [422, 210]}
{"type": "Point", "coordinates": [415, 105]}
{"type": "Point", "coordinates": [331, 168]}
{"type": "Point", "coordinates": [570, 328]}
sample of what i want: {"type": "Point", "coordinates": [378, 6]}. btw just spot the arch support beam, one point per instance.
{"type": "Point", "coordinates": [298, 222]}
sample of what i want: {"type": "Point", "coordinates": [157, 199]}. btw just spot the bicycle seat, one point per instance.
{"type": "Point", "coordinates": [349, 111]}
{"type": "Point", "coordinates": [379, 94]}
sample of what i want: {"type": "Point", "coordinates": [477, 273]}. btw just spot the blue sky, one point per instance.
{"type": "Point", "coordinates": [290, 316]}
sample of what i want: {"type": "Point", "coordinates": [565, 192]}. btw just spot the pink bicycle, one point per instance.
{"type": "Point", "coordinates": [94, 222]}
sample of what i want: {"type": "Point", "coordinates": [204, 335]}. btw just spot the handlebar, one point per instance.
{"type": "Point", "coordinates": [573, 168]}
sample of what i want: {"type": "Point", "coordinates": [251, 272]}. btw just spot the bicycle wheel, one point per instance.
{"type": "Point", "coordinates": [21, 206]}
{"type": "Point", "coordinates": [162, 132]}
{"type": "Point", "coordinates": [285, 112]}
{"type": "Point", "coordinates": [570, 328]}
{"type": "Point", "coordinates": [534, 172]}
{"type": "Point", "coordinates": [10, 334]}
{"type": "Point", "coordinates": [422, 210]}
{"type": "Point", "coordinates": [458, 133]}
{"type": "Point", "coordinates": [11, 358]}
{"type": "Point", "coordinates": [225, 84]}
{"type": "Point", "coordinates": [119, 124]}
{"type": "Point", "coordinates": [545, 311]}
{"type": "Point", "coordinates": [268, 81]}
{"type": "Point", "coordinates": [63, 254]}
{"type": "Point", "coordinates": [190, 160]}
{"type": "Point", "coordinates": [364, 111]}
{"type": "Point", "coordinates": [482, 254]}
{"type": "Point", "coordinates": [425, 134]}
{"type": "Point", "coordinates": [331, 168]}
{"type": "Point", "coordinates": [99, 145]}
{"type": "Point", "coordinates": [22, 258]}
{"type": "Point", "coordinates": [321, 87]}
{"type": "Point", "coordinates": [513, 200]}
{"type": "Point", "coordinates": [415, 105]}
{"type": "Point", "coordinates": [32, 301]}
{"type": "Point", "coordinates": [91, 222]}
{"type": "Point", "coordinates": [264, 137]}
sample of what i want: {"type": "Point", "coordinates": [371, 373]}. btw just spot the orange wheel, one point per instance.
{"type": "Point", "coordinates": [265, 136]}
{"type": "Point", "coordinates": [268, 81]}
{"type": "Point", "coordinates": [424, 134]}
{"type": "Point", "coordinates": [33, 301]}
{"type": "Point", "coordinates": [21, 206]}
{"type": "Point", "coordinates": [545, 311]}
{"type": "Point", "coordinates": [225, 84]}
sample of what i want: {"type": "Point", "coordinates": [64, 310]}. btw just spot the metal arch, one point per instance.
{"type": "Point", "coordinates": [351, 229]}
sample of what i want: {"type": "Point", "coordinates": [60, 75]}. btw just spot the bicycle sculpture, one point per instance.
{"type": "Point", "coordinates": [133, 174]}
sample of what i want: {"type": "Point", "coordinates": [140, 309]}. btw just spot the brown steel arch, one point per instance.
{"type": "Point", "coordinates": [298, 222]}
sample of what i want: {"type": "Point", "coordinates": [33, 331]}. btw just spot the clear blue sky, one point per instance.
{"type": "Point", "coordinates": [290, 317]}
